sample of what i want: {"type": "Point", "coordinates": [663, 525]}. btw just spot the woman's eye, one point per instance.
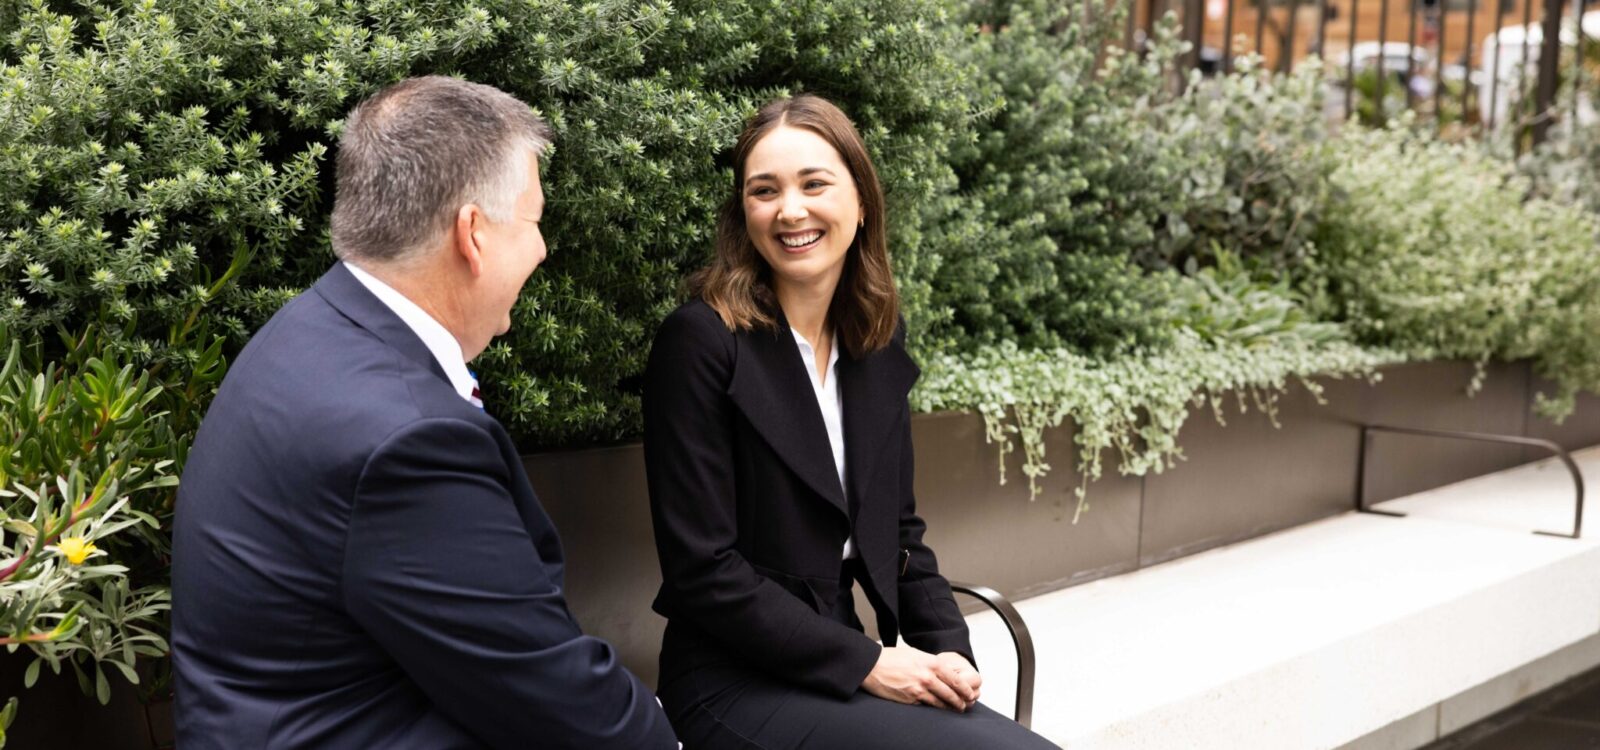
{"type": "Point", "coordinates": [815, 184]}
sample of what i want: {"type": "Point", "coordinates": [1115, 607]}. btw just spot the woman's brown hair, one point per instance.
{"type": "Point", "coordinates": [738, 283]}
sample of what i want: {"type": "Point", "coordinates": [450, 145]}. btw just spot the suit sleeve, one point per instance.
{"type": "Point", "coordinates": [929, 617]}
{"type": "Point", "coordinates": [706, 581]}
{"type": "Point", "coordinates": [441, 570]}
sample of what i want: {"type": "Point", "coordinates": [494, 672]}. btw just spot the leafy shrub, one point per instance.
{"type": "Point", "coordinates": [83, 455]}
{"type": "Point", "coordinates": [135, 177]}
{"type": "Point", "coordinates": [1095, 160]}
{"type": "Point", "coordinates": [1367, 107]}
{"type": "Point", "coordinates": [1059, 188]}
{"type": "Point", "coordinates": [1252, 163]}
{"type": "Point", "coordinates": [1225, 305]}
{"type": "Point", "coordinates": [1566, 168]}
{"type": "Point", "coordinates": [636, 178]}
{"type": "Point", "coordinates": [1566, 171]}
{"type": "Point", "coordinates": [163, 167]}
{"type": "Point", "coordinates": [1097, 169]}
{"type": "Point", "coordinates": [1433, 251]}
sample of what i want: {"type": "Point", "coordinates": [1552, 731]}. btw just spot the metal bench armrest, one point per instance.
{"type": "Point", "coordinates": [1019, 636]}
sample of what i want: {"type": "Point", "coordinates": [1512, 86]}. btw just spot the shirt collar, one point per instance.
{"type": "Point", "coordinates": [444, 347]}
{"type": "Point", "coordinates": [805, 346]}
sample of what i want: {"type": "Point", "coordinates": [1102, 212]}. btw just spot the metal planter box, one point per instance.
{"type": "Point", "coordinates": [1238, 481]}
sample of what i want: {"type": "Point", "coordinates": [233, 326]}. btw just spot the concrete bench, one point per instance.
{"type": "Point", "coordinates": [1357, 631]}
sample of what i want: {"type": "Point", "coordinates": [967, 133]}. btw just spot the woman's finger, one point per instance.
{"type": "Point", "coordinates": [957, 682]}
{"type": "Point", "coordinates": [942, 694]}
{"type": "Point", "coordinates": [973, 680]}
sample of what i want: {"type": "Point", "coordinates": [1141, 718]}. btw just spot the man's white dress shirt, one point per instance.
{"type": "Point", "coordinates": [440, 342]}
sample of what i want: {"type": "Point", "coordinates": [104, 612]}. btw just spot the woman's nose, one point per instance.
{"type": "Point", "coordinates": [793, 207]}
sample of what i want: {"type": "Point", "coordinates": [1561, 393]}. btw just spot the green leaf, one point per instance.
{"type": "Point", "coordinates": [102, 687]}
{"type": "Point", "coordinates": [126, 670]}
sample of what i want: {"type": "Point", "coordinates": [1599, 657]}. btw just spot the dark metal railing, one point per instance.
{"type": "Point", "coordinates": [1484, 437]}
{"type": "Point", "coordinates": [1532, 106]}
{"type": "Point", "coordinates": [1494, 84]}
{"type": "Point", "coordinates": [1578, 69]}
{"type": "Point", "coordinates": [1522, 62]}
{"type": "Point", "coordinates": [1019, 636]}
{"type": "Point", "coordinates": [1466, 86]}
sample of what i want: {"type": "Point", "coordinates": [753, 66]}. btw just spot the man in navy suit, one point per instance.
{"type": "Point", "coordinates": [358, 559]}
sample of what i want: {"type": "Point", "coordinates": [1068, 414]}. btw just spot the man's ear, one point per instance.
{"type": "Point", "coordinates": [470, 221]}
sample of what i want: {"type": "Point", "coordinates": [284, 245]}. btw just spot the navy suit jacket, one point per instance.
{"type": "Point", "coordinates": [360, 562]}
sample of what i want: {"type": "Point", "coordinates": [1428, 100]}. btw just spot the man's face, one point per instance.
{"type": "Point", "coordinates": [511, 250]}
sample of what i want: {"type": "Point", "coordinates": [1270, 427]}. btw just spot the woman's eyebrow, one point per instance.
{"type": "Point", "coordinates": [802, 173]}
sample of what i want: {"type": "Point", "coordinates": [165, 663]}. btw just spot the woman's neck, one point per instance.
{"type": "Point", "coordinates": [806, 308]}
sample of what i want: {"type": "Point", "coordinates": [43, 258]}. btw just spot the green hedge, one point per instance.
{"type": "Point", "coordinates": [165, 171]}
{"type": "Point", "coordinates": [164, 182]}
{"type": "Point", "coordinates": [1062, 186]}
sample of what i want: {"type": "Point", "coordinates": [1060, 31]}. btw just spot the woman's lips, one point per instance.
{"type": "Point", "coordinates": [798, 249]}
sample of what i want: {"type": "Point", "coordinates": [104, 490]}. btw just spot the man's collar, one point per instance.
{"type": "Point", "coordinates": [440, 342]}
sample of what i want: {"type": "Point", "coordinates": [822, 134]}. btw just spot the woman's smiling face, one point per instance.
{"type": "Point", "coordinates": [801, 206]}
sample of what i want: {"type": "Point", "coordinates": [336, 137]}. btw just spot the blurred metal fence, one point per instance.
{"type": "Point", "coordinates": [1487, 65]}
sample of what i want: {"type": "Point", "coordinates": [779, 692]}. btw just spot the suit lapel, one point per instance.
{"type": "Point", "coordinates": [874, 390]}
{"type": "Point", "coordinates": [353, 300]}
{"type": "Point", "coordinates": [347, 295]}
{"type": "Point", "coordinates": [771, 387]}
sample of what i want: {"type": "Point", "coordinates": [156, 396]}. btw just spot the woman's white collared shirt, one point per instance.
{"type": "Point", "coordinates": [831, 404]}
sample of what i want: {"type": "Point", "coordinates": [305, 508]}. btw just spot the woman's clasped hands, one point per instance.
{"type": "Point", "coordinates": [905, 674]}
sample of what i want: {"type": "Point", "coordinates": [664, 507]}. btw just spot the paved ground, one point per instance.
{"type": "Point", "coordinates": [1567, 717]}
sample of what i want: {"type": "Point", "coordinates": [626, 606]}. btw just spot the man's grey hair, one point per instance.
{"type": "Point", "coordinates": [414, 153]}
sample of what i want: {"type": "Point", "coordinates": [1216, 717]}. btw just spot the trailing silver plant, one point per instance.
{"type": "Point", "coordinates": [1240, 337]}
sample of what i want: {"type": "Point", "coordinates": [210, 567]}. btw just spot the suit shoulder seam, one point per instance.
{"type": "Point", "coordinates": [378, 448]}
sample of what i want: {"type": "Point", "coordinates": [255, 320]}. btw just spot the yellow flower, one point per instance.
{"type": "Point", "coordinates": [76, 549]}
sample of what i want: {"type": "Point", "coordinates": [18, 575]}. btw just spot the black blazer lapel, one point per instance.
{"type": "Point", "coordinates": [352, 299]}
{"type": "Point", "coordinates": [771, 387]}
{"type": "Point", "coordinates": [874, 390]}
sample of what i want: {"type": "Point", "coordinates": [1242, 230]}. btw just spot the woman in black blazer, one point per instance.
{"type": "Point", "coordinates": [778, 449]}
